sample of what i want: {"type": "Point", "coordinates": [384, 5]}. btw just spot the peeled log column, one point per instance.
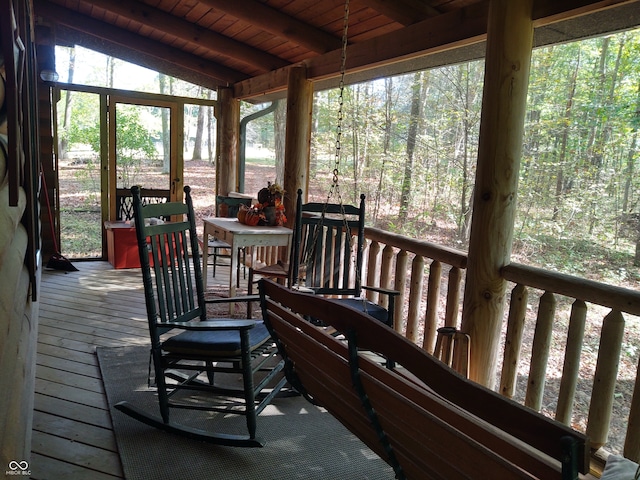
{"type": "Point", "coordinates": [509, 43]}
{"type": "Point", "coordinates": [227, 150]}
{"type": "Point", "coordinates": [298, 137]}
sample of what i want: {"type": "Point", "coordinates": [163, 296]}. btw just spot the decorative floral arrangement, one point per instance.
{"type": "Point", "coordinates": [268, 211]}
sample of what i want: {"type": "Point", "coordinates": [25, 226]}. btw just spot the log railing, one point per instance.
{"type": "Point", "coordinates": [399, 262]}
{"type": "Point", "coordinates": [398, 250]}
{"type": "Point", "coordinates": [582, 294]}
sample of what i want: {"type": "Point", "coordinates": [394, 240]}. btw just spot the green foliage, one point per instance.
{"type": "Point", "coordinates": [579, 160]}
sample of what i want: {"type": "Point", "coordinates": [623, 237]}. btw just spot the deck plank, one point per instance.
{"type": "Point", "coordinates": [76, 453]}
{"type": "Point", "coordinates": [72, 435]}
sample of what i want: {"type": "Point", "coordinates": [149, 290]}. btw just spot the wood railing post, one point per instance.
{"type": "Point", "coordinates": [386, 278]}
{"type": "Point", "coordinates": [402, 261]}
{"type": "Point", "coordinates": [373, 271]}
{"type": "Point", "coordinates": [540, 351]}
{"type": "Point", "coordinates": [632, 440]}
{"type": "Point", "coordinates": [513, 342]}
{"type": "Point", "coordinates": [604, 381]}
{"type": "Point", "coordinates": [431, 315]}
{"type": "Point", "coordinates": [453, 297]}
{"type": "Point", "coordinates": [415, 296]}
{"type": "Point", "coordinates": [571, 367]}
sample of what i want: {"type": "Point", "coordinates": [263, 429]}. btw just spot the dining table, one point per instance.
{"type": "Point", "coordinates": [238, 235]}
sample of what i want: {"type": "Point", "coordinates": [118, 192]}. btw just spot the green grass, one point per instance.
{"type": "Point", "coordinates": [81, 233]}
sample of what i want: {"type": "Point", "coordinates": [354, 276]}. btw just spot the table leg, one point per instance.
{"type": "Point", "coordinates": [205, 256]}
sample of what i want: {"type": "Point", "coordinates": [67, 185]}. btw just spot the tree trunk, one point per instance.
{"type": "Point", "coordinates": [280, 134]}
{"type": "Point", "coordinates": [66, 119]}
{"type": "Point", "coordinates": [561, 184]}
{"type": "Point", "coordinates": [388, 126]}
{"type": "Point", "coordinates": [210, 131]}
{"type": "Point", "coordinates": [414, 119]}
{"type": "Point", "coordinates": [197, 146]}
{"type": "Point", "coordinates": [166, 144]}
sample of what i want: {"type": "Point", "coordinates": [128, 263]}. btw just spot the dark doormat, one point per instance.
{"type": "Point", "coordinates": [302, 440]}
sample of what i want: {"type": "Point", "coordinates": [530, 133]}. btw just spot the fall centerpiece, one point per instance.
{"type": "Point", "coordinates": [268, 211]}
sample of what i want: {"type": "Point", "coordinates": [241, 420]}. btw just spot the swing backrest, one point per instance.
{"type": "Point", "coordinates": [330, 238]}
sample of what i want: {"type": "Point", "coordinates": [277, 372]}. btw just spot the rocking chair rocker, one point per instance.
{"type": "Point", "coordinates": [188, 350]}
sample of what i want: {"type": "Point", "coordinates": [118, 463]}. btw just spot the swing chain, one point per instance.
{"type": "Point", "coordinates": [335, 187]}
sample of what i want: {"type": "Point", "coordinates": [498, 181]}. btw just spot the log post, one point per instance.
{"type": "Point", "coordinates": [571, 367]}
{"type": "Point", "coordinates": [540, 351]}
{"type": "Point", "coordinates": [415, 294]}
{"type": "Point", "coordinates": [402, 262]}
{"type": "Point", "coordinates": [604, 380]}
{"type": "Point", "coordinates": [373, 271]}
{"type": "Point", "coordinates": [297, 147]}
{"type": "Point", "coordinates": [509, 43]}
{"type": "Point", "coordinates": [433, 297]}
{"type": "Point", "coordinates": [228, 119]}
{"type": "Point", "coordinates": [513, 341]}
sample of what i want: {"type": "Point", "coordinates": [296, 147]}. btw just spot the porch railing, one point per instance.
{"type": "Point", "coordinates": [402, 263]}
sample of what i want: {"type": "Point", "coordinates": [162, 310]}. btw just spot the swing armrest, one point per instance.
{"type": "Point", "coordinates": [386, 291]}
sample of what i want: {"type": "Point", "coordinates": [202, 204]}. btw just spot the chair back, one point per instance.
{"type": "Point", "coordinates": [174, 291]}
{"type": "Point", "coordinates": [229, 206]}
{"type": "Point", "coordinates": [124, 200]}
{"type": "Point", "coordinates": [328, 247]}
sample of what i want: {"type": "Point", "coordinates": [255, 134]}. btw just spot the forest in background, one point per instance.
{"type": "Point", "coordinates": [410, 144]}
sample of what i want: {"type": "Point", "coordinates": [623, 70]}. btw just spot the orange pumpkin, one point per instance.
{"type": "Point", "coordinates": [252, 218]}
{"type": "Point", "coordinates": [242, 214]}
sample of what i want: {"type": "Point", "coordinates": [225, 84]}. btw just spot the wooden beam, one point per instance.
{"type": "Point", "coordinates": [461, 27]}
{"type": "Point", "coordinates": [227, 146]}
{"type": "Point", "coordinates": [277, 23]}
{"type": "Point", "coordinates": [406, 12]}
{"type": "Point", "coordinates": [546, 12]}
{"type": "Point", "coordinates": [68, 36]}
{"type": "Point", "coordinates": [130, 41]}
{"type": "Point", "coordinates": [508, 58]}
{"type": "Point", "coordinates": [192, 33]}
{"type": "Point", "coordinates": [298, 137]}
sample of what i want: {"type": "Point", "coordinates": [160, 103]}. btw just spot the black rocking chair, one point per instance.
{"type": "Point", "coordinates": [188, 350]}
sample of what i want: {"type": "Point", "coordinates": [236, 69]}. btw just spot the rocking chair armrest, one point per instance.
{"type": "Point", "coordinates": [241, 298]}
{"type": "Point", "coordinates": [386, 291]}
{"type": "Point", "coordinates": [226, 324]}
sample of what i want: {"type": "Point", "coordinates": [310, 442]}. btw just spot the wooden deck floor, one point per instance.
{"type": "Point", "coordinates": [96, 306]}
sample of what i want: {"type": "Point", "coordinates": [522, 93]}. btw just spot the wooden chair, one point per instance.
{"type": "Point", "coordinates": [453, 347]}
{"type": "Point", "coordinates": [280, 271]}
{"type": "Point", "coordinates": [188, 350]}
{"type": "Point", "coordinates": [328, 257]}
{"type": "Point", "coordinates": [124, 200]}
{"type": "Point", "coordinates": [226, 207]}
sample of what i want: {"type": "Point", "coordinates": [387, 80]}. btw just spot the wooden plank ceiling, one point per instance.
{"type": "Point", "coordinates": [249, 43]}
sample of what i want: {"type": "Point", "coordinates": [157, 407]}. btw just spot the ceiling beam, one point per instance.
{"type": "Point", "coordinates": [277, 23]}
{"type": "Point", "coordinates": [69, 37]}
{"type": "Point", "coordinates": [406, 12]}
{"type": "Point", "coordinates": [127, 40]}
{"type": "Point", "coordinates": [189, 32]}
{"type": "Point", "coordinates": [460, 28]}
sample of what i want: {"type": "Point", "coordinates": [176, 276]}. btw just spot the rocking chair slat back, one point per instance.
{"type": "Point", "coordinates": [331, 246]}
{"type": "Point", "coordinates": [170, 247]}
